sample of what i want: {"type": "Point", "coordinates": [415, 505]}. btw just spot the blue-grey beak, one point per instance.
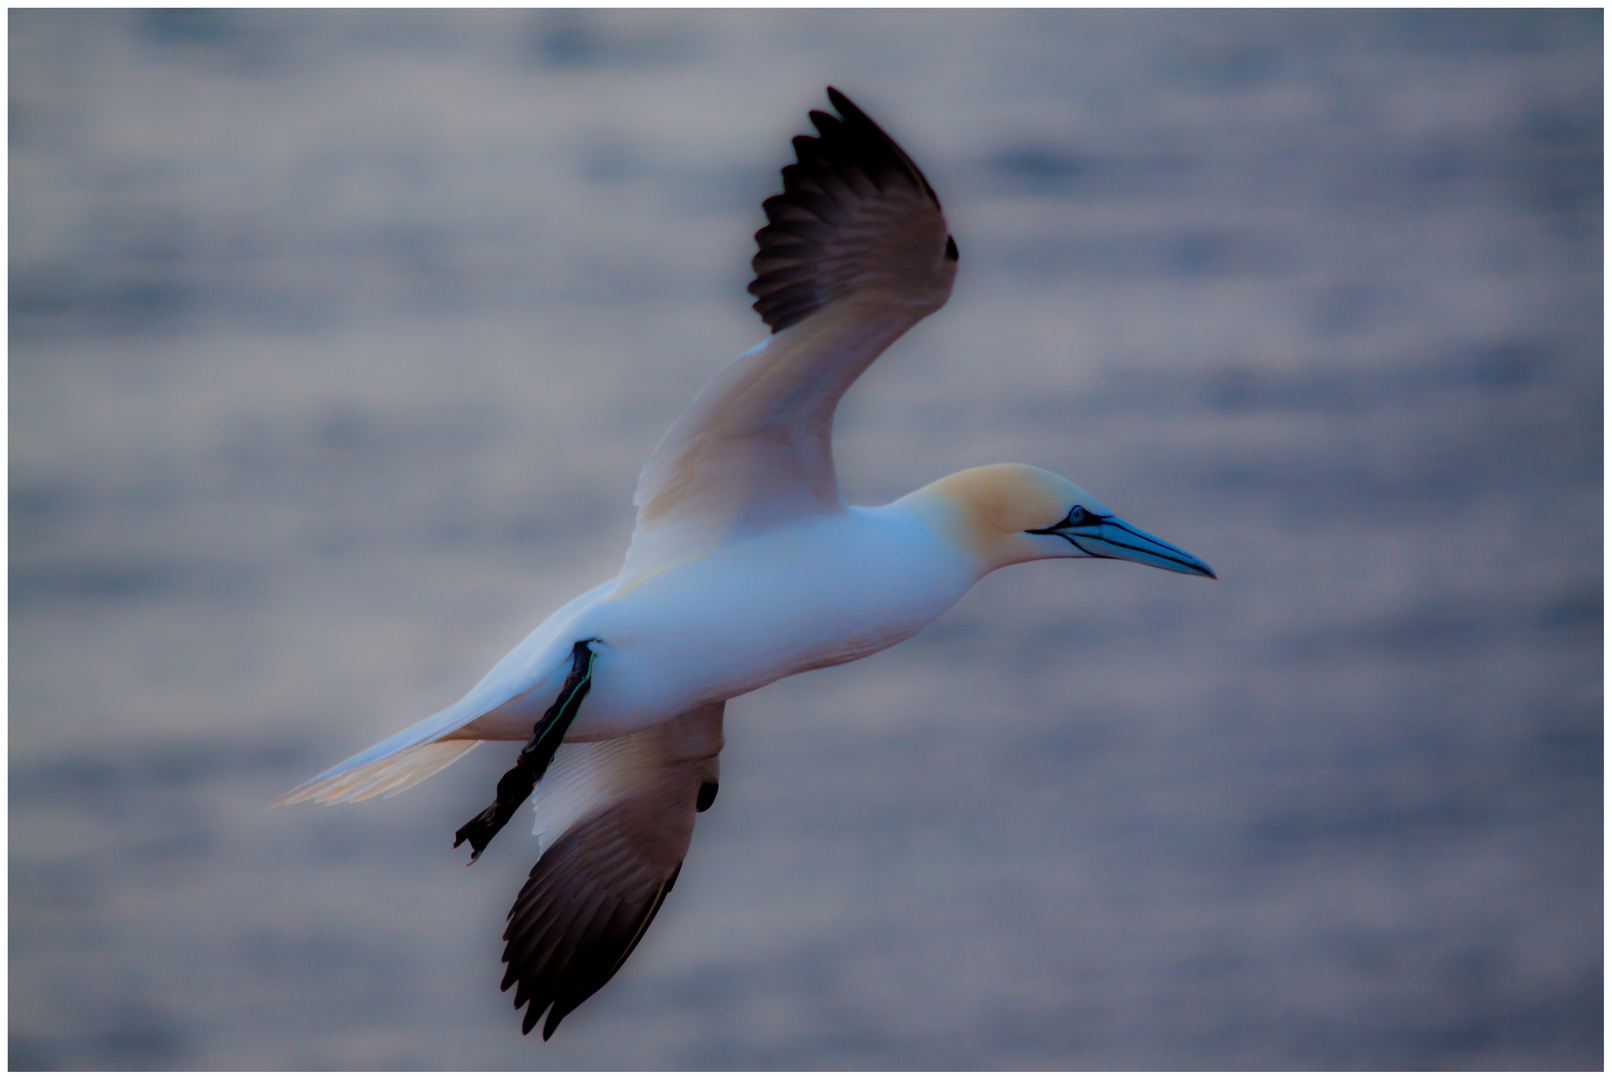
{"type": "Point", "coordinates": [1109, 537]}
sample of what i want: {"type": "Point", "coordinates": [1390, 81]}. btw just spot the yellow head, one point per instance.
{"type": "Point", "coordinates": [1008, 514]}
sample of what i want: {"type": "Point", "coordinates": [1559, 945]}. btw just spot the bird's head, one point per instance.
{"type": "Point", "coordinates": [1010, 514]}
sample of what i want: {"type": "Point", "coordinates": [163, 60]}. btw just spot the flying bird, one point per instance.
{"type": "Point", "coordinates": [746, 565]}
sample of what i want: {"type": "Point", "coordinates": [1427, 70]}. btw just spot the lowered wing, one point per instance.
{"type": "Point", "coordinates": [615, 818]}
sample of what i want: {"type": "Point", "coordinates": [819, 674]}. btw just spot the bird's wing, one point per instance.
{"type": "Point", "coordinates": [855, 252]}
{"type": "Point", "coordinates": [615, 818]}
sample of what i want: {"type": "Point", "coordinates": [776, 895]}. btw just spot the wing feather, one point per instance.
{"type": "Point", "coordinates": [855, 252]}
{"type": "Point", "coordinates": [624, 809]}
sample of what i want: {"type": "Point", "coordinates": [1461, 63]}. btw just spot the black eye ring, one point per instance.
{"type": "Point", "coordinates": [1077, 516]}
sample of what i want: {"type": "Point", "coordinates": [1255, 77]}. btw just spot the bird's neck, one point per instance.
{"type": "Point", "coordinates": [965, 508]}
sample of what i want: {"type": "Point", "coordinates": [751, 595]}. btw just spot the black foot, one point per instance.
{"type": "Point", "coordinates": [515, 785]}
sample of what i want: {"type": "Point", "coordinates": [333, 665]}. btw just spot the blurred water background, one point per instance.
{"type": "Point", "coordinates": [337, 341]}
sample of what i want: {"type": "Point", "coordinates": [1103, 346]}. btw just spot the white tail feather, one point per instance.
{"type": "Point", "coordinates": [388, 776]}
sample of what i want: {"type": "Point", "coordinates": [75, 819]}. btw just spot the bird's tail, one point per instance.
{"type": "Point", "coordinates": [357, 778]}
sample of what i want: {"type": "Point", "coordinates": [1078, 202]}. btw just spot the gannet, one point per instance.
{"type": "Point", "coordinates": [746, 565]}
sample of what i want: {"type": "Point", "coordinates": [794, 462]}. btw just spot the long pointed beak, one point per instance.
{"type": "Point", "coordinates": [1113, 538]}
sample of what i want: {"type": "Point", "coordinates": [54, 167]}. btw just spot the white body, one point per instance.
{"type": "Point", "coordinates": [841, 588]}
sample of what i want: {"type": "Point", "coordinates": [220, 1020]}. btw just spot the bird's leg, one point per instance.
{"type": "Point", "coordinates": [515, 785]}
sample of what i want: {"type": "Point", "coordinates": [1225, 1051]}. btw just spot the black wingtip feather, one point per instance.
{"type": "Point", "coordinates": [849, 159]}
{"type": "Point", "coordinates": [569, 931]}
{"type": "Point", "coordinates": [843, 103]}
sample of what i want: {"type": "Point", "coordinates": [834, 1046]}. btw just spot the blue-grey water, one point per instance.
{"type": "Point", "coordinates": [337, 341]}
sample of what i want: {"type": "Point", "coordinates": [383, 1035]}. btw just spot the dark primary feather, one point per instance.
{"type": "Point", "coordinates": [849, 185]}
{"type": "Point", "coordinates": [583, 910]}
{"type": "Point", "coordinates": [590, 898]}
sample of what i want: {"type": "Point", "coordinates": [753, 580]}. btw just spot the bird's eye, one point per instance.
{"type": "Point", "coordinates": [1076, 517]}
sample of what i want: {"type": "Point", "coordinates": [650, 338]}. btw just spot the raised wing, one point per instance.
{"type": "Point", "coordinates": [855, 252]}
{"type": "Point", "coordinates": [856, 217]}
{"type": "Point", "coordinates": [615, 818]}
